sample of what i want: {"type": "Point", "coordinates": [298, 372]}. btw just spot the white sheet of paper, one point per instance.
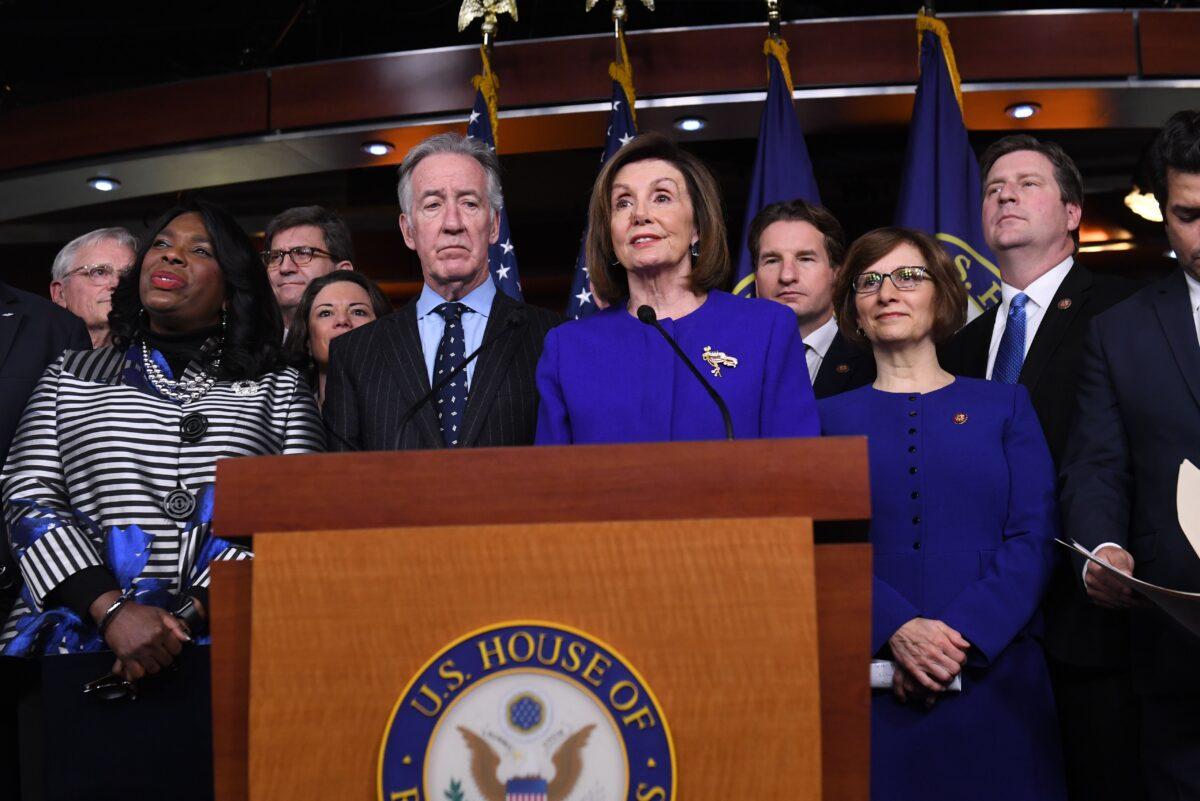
{"type": "Point", "coordinates": [1187, 500]}
{"type": "Point", "coordinates": [1183, 606]}
{"type": "Point", "coordinates": [884, 670]}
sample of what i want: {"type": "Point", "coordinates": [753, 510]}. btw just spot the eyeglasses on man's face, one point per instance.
{"type": "Point", "coordinates": [301, 256]}
{"type": "Point", "coordinates": [905, 278]}
{"type": "Point", "coordinates": [101, 274]}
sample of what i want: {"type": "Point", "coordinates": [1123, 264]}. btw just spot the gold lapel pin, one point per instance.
{"type": "Point", "coordinates": [960, 418]}
{"type": "Point", "coordinates": [716, 360]}
{"type": "Point", "coordinates": [1064, 304]}
{"type": "Point", "coordinates": [842, 368]}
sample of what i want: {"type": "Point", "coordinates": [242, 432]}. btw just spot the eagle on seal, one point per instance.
{"type": "Point", "coordinates": [567, 758]}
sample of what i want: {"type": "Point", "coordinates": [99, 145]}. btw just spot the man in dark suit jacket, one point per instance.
{"type": "Point", "coordinates": [1138, 421]}
{"type": "Point", "coordinates": [33, 333]}
{"type": "Point", "coordinates": [797, 247]}
{"type": "Point", "coordinates": [1033, 196]}
{"type": "Point", "coordinates": [380, 373]}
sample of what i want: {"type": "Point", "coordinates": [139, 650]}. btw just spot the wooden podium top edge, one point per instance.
{"type": "Point", "coordinates": [824, 478]}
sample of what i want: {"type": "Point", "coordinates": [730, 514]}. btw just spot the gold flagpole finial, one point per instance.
{"type": "Point", "coordinates": [489, 10]}
{"type": "Point", "coordinates": [773, 18]}
{"type": "Point", "coordinates": [619, 14]}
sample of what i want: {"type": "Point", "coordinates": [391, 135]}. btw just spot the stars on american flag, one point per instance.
{"type": "Point", "coordinates": [621, 131]}
{"type": "Point", "coordinates": [502, 256]}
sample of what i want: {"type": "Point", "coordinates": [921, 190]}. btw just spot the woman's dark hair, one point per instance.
{"type": "Point", "coordinates": [253, 325]}
{"type": "Point", "coordinates": [296, 346]}
{"type": "Point", "coordinates": [709, 270]}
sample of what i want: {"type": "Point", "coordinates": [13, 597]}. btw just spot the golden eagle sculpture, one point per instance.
{"type": "Point", "coordinates": [488, 9]}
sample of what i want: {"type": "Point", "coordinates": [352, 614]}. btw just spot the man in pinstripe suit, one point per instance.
{"type": "Point", "coordinates": [384, 390]}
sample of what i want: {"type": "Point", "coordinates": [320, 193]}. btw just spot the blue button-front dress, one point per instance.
{"type": "Point", "coordinates": [612, 378]}
{"type": "Point", "coordinates": [964, 516]}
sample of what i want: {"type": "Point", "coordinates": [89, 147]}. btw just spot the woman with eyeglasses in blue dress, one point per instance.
{"type": "Point", "coordinates": [964, 518]}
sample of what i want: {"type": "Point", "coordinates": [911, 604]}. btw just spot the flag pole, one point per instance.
{"type": "Point", "coordinates": [773, 19]}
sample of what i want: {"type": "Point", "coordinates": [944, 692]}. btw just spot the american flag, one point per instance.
{"type": "Point", "coordinates": [621, 129]}
{"type": "Point", "coordinates": [525, 790]}
{"type": "Point", "coordinates": [502, 258]}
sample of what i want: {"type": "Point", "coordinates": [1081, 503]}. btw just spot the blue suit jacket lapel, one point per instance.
{"type": "Point", "coordinates": [1173, 305]}
{"type": "Point", "coordinates": [491, 369]}
{"type": "Point", "coordinates": [412, 376]}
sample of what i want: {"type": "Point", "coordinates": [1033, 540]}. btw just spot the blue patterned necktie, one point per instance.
{"type": "Point", "coordinates": [1011, 354]}
{"type": "Point", "coordinates": [452, 398]}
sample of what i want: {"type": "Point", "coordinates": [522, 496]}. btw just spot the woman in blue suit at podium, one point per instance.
{"type": "Point", "coordinates": [964, 516]}
{"type": "Point", "coordinates": [656, 254]}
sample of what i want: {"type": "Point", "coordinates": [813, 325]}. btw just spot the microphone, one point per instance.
{"type": "Point", "coordinates": [647, 316]}
{"type": "Point", "coordinates": [516, 319]}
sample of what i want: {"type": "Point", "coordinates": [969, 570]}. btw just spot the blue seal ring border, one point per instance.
{"type": "Point", "coordinates": [493, 651]}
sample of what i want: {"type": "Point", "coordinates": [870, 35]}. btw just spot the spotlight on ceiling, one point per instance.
{"type": "Point", "coordinates": [1144, 205]}
{"type": "Point", "coordinates": [1022, 111]}
{"type": "Point", "coordinates": [691, 124]}
{"type": "Point", "coordinates": [377, 148]}
{"type": "Point", "coordinates": [103, 183]}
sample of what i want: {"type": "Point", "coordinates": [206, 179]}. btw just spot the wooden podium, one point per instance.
{"type": "Point", "coordinates": [696, 561]}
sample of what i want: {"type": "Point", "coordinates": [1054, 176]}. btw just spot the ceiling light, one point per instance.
{"type": "Point", "coordinates": [691, 124]}
{"type": "Point", "coordinates": [102, 183]}
{"type": "Point", "coordinates": [1144, 205]}
{"type": "Point", "coordinates": [1022, 111]}
{"type": "Point", "coordinates": [378, 148]}
{"type": "Point", "coordinates": [1106, 247]}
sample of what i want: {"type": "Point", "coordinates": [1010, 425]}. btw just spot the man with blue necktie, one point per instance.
{"type": "Point", "coordinates": [1032, 204]}
{"type": "Point", "coordinates": [392, 384]}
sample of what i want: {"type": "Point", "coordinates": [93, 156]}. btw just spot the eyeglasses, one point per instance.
{"type": "Point", "coordinates": [300, 256]}
{"type": "Point", "coordinates": [905, 278]}
{"type": "Point", "coordinates": [100, 274]}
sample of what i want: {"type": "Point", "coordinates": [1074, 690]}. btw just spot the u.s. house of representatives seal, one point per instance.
{"type": "Point", "coordinates": [527, 711]}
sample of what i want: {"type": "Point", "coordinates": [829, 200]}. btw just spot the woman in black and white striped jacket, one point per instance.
{"type": "Point", "coordinates": [108, 486]}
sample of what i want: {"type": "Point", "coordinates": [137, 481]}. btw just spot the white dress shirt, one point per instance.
{"type": "Point", "coordinates": [816, 345]}
{"type": "Point", "coordinates": [1040, 293]}
{"type": "Point", "coordinates": [1194, 294]}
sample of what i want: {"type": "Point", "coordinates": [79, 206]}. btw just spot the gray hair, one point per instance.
{"type": "Point", "coordinates": [460, 145]}
{"type": "Point", "coordinates": [62, 262]}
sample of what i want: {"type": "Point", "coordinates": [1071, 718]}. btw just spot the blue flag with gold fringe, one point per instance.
{"type": "Point", "coordinates": [940, 192]}
{"type": "Point", "coordinates": [502, 258]}
{"type": "Point", "coordinates": [782, 168]}
{"type": "Point", "coordinates": [622, 127]}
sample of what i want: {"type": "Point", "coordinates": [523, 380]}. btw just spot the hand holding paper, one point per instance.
{"type": "Point", "coordinates": [1103, 587]}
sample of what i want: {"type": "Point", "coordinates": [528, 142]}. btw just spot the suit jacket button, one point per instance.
{"type": "Point", "coordinates": [192, 427]}
{"type": "Point", "coordinates": [179, 504]}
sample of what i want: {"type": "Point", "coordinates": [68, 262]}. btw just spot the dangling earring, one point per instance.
{"type": "Point", "coordinates": [696, 249]}
{"type": "Point", "coordinates": [224, 322]}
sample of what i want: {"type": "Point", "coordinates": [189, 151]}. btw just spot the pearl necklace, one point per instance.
{"type": "Point", "coordinates": [185, 390]}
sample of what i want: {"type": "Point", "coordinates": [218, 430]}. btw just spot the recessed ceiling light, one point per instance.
{"type": "Point", "coordinates": [102, 183]}
{"type": "Point", "coordinates": [1144, 205]}
{"type": "Point", "coordinates": [691, 124]}
{"type": "Point", "coordinates": [1022, 111]}
{"type": "Point", "coordinates": [378, 148]}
